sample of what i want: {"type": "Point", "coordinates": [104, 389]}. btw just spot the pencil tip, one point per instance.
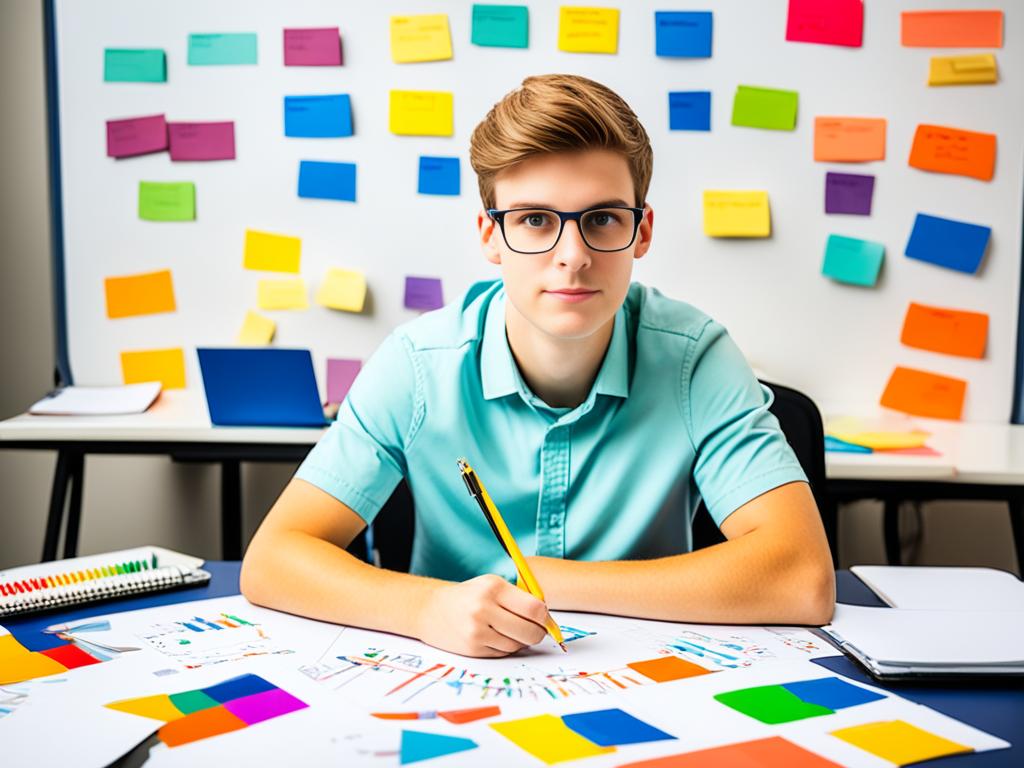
{"type": "Point", "coordinates": [562, 646]}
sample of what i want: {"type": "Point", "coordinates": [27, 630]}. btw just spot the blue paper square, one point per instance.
{"type": "Point", "coordinates": [612, 727]}
{"type": "Point", "coordinates": [318, 117]}
{"type": "Point", "coordinates": [237, 687]}
{"type": "Point", "coordinates": [948, 243]}
{"type": "Point", "coordinates": [831, 693]}
{"type": "Point", "coordinates": [689, 110]}
{"type": "Point", "coordinates": [683, 33]}
{"type": "Point", "coordinates": [439, 176]}
{"type": "Point", "coordinates": [327, 181]}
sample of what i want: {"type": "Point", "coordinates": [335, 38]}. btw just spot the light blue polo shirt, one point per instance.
{"type": "Point", "coordinates": [674, 415]}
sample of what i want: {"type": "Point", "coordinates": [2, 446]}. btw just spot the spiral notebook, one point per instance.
{"type": "Point", "coordinates": [96, 578]}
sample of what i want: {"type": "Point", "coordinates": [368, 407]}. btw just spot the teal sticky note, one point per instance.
{"type": "Point", "coordinates": [501, 26]}
{"type": "Point", "coordinates": [764, 108]}
{"type": "Point", "coordinates": [134, 65]}
{"type": "Point", "coordinates": [215, 49]}
{"type": "Point", "coordinates": [849, 260]}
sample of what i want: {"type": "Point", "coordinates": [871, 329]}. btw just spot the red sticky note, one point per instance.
{"type": "Point", "coordinates": [136, 136]}
{"type": "Point", "coordinates": [832, 22]}
{"type": "Point", "coordinates": [942, 149]}
{"type": "Point", "coordinates": [340, 375]}
{"type": "Point", "coordinates": [952, 29]}
{"type": "Point", "coordinates": [950, 331]}
{"type": "Point", "coordinates": [921, 393]}
{"type": "Point", "coordinates": [312, 47]}
{"type": "Point", "coordinates": [71, 656]}
{"type": "Point", "coordinates": [202, 141]}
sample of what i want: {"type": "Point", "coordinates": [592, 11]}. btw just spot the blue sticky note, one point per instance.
{"type": "Point", "coordinates": [689, 110]}
{"type": "Point", "coordinates": [683, 33]}
{"type": "Point", "coordinates": [237, 687]}
{"type": "Point", "coordinates": [832, 693]}
{"type": "Point", "coordinates": [318, 117]}
{"type": "Point", "coordinates": [612, 727]}
{"type": "Point", "coordinates": [439, 176]}
{"type": "Point", "coordinates": [502, 26]}
{"type": "Point", "coordinates": [418, 745]}
{"type": "Point", "coordinates": [835, 445]}
{"type": "Point", "coordinates": [849, 260]}
{"type": "Point", "coordinates": [327, 181]}
{"type": "Point", "coordinates": [948, 243]}
{"type": "Point", "coordinates": [216, 49]}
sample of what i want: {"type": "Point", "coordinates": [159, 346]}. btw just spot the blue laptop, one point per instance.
{"type": "Point", "coordinates": [261, 387]}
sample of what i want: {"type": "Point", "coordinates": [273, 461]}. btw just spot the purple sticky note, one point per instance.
{"type": "Point", "coordinates": [340, 375]}
{"type": "Point", "coordinates": [202, 141]}
{"type": "Point", "coordinates": [312, 47]}
{"type": "Point", "coordinates": [136, 136]}
{"type": "Point", "coordinates": [848, 193]}
{"type": "Point", "coordinates": [264, 706]}
{"type": "Point", "coordinates": [423, 293]}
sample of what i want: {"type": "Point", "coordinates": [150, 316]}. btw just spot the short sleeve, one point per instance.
{"type": "Point", "coordinates": [740, 449]}
{"type": "Point", "coordinates": [361, 458]}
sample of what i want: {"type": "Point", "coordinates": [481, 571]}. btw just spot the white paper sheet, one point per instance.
{"type": "Point", "coordinates": [943, 588]}
{"type": "Point", "coordinates": [98, 401]}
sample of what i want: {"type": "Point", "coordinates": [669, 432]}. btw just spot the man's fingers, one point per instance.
{"type": "Point", "coordinates": [515, 627]}
{"type": "Point", "coordinates": [522, 603]}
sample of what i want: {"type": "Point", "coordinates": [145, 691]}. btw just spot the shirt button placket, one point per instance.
{"type": "Point", "coordinates": [554, 461]}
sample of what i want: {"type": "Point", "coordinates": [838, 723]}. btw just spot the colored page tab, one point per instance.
{"type": "Point", "coordinates": [439, 176]}
{"type": "Point", "coordinates": [425, 37]}
{"type": "Point", "coordinates": [257, 330]}
{"type": "Point", "coordinates": [683, 33]}
{"type": "Point", "coordinates": [320, 47]}
{"type": "Point", "coordinates": [953, 244]}
{"type": "Point", "coordinates": [327, 181]}
{"type": "Point", "coordinates": [613, 727]}
{"type": "Point", "coordinates": [501, 26]}
{"type": "Point", "coordinates": [588, 30]}
{"type": "Point", "coordinates": [952, 29]}
{"type": "Point", "coordinates": [667, 668]}
{"type": "Point", "coordinates": [145, 294]}
{"type": "Point", "coordinates": [951, 150]}
{"type": "Point", "coordinates": [318, 117]}
{"type": "Point", "coordinates": [849, 139]}
{"type": "Point", "coordinates": [764, 108]}
{"type": "Point", "coordinates": [136, 136]}
{"type": "Point", "coordinates": [689, 111]}
{"type": "Point", "coordinates": [164, 365]}
{"type": "Point", "coordinates": [423, 293]}
{"type": "Point", "coordinates": [167, 201]}
{"type": "Point", "coordinates": [343, 289]}
{"type": "Point", "coordinates": [282, 294]}
{"type": "Point", "coordinates": [849, 193]}
{"type": "Point", "coordinates": [963, 70]}
{"type": "Point", "coordinates": [921, 393]}
{"type": "Point", "coordinates": [134, 65]}
{"type": "Point", "coordinates": [341, 374]}
{"type": "Point", "coordinates": [268, 252]}
{"type": "Point", "coordinates": [950, 331]}
{"type": "Point", "coordinates": [202, 141]}
{"type": "Point", "coordinates": [548, 739]}
{"type": "Point", "coordinates": [418, 745]}
{"type": "Point", "coordinates": [832, 692]}
{"type": "Point", "coordinates": [900, 742]}
{"type": "Point", "coordinates": [853, 261]}
{"type": "Point", "coordinates": [773, 752]}
{"type": "Point", "coordinates": [421, 113]}
{"type": "Point", "coordinates": [220, 49]}
{"type": "Point", "coordinates": [736, 214]}
{"type": "Point", "coordinates": [771, 704]}
{"type": "Point", "coordinates": [832, 22]}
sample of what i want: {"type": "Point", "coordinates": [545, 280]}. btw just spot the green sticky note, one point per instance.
{"type": "Point", "coordinates": [192, 701]}
{"type": "Point", "coordinates": [764, 108]}
{"type": "Point", "coordinates": [771, 704]}
{"type": "Point", "coordinates": [849, 260]}
{"type": "Point", "coordinates": [167, 201]}
{"type": "Point", "coordinates": [134, 65]}
{"type": "Point", "coordinates": [214, 49]}
{"type": "Point", "coordinates": [501, 26]}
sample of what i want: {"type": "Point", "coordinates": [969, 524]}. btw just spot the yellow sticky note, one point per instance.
{"type": "Point", "coordinates": [343, 289]}
{"type": "Point", "coordinates": [963, 70]}
{"type": "Point", "coordinates": [851, 429]}
{"type": "Point", "coordinates": [422, 113]}
{"type": "Point", "coordinates": [282, 294]}
{"type": "Point", "coordinates": [268, 252]}
{"type": "Point", "coordinates": [420, 38]}
{"type": "Point", "coordinates": [257, 330]}
{"type": "Point", "coordinates": [158, 707]}
{"type": "Point", "coordinates": [899, 742]}
{"type": "Point", "coordinates": [588, 30]}
{"type": "Point", "coordinates": [729, 213]}
{"type": "Point", "coordinates": [164, 365]}
{"type": "Point", "coordinates": [548, 739]}
{"type": "Point", "coordinates": [18, 663]}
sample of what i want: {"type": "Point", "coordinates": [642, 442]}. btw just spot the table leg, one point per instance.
{"type": "Point", "coordinates": [891, 528]}
{"type": "Point", "coordinates": [77, 477]}
{"type": "Point", "coordinates": [231, 509]}
{"type": "Point", "coordinates": [58, 494]}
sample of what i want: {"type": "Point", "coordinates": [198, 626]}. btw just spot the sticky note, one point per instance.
{"type": "Point", "coordinates": [199, 725]}
{"type": "Point", "coordinates": [424, 37]}
{"type": "Point", "coordinates": [849, 193]}
{"type": "Point", "coordinates": [157, 707]}
{"type": "Point", "coordinates": [423, 293]}
{"type": "Point", "coordinates": [772, 752]}
{"type": "Point", "coordinates": [257, 330]}
{"type": "Point", "coordinates": [327, 181]}
{"type": "Point", "coordinates": [144, 294]}
{"type": "Point", "coordinates": [270, 252]}
{"type": "Point", "coordinates": [167, 201]}
{"type": "Point", "coordinates": [164, 365]}
{"type": "Point", "coordinates": [683, 33]}
{"type": "Point", "coordinates": [421, 113]}
{"type": "Point", "coordinates": [188, 702]}
{"type": "Point", "coordinates": [202, 141]}
{"type": "Point", "coordinates": [950, 331]}
{"type": "Point", "coordinates": [320, 47]}
{"type": "Point", "coordinates": [922, 393]}
{"type": "Point", "coordinates": [853, 261]}
{"type": "Point", "coordinates": [265, 705]}
{"type": "Point", "coordinates": [134, 65]}
{"type": "Point", "coordinates": [764, 108]}
{"type": "Point", "coordinates": [667, 668]}
{"type": "Point", "coordinates": [877, 434]}
{"type": "Point", "coordinates": [952, 150]}
{"type": "Point", "coordinates": [501, 26]}
{"type": "Point", "coordinates": [613, 727]}
{"type": "Point", "coordinates": [318, 117]}
{"type": "Point", "coordinates": [588, 30]}
{"type": "Point", "coordinates": [948, 243]}
{"type": "Point", "coordinates": [238, 686]}
{"type": "Point", "coordinates": [963, 70]}
{"type": "Point", "coordinates": [439, 176]}
{"type": "Point", "coordinates": [419, 745]}
{"type": "Point", "coordinates": [689, 110]}
{"type": "Point", "coordinates": [548, 739]}
{"type": "Point", "coordinates": [771, 704]}
{"type": "Point", "coordinates": [289, 293]}
{"type": "Point", "coordinates": [832, 693]}
{"type": "Point", "coordinates": [136, 136]}
{"type": "Point", "coordinates": [729, 213]}
{"type": "Point", "coordinates": [832, 22]}
{"type": "Point", "coordinates": [341, 373]}
{"type": "Point", "coordinates": [219, 49]}
{"type": "Point", "coordinates": [899, 742]}
{"type": "Point", "coordinates": [952, 29]}
{"type": "Point", "coordinates": [849, 139]}
{"type": "Point", "coordinates": [342, 289]}
{"type": "Point", "coordinates": [836, 445]}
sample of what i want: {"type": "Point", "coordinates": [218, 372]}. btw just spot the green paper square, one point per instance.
{"type": "Point", "coordinates": [849, 260]}
{"type": "Point", "coordinates": [218, 49]}
{"type": "Point", "coordinates": [764, 108]}
{"type": "Point", "coordinates": [174, 201]}
{"type": "Point", "coordinates": [192, 701]}
{"type": "Point", "coordinates": [771, 704]}
{"type": "Point", "coordinates": [501, 26]}
{"type": "Point", "coordinates": [134, 65]}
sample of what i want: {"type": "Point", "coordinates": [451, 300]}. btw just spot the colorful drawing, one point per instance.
{"type": "Point", "coordinates": [18, 663]}
{"type": "Point", "coordinates": [454, 716]}
{"type": "Point", "coordinates": [198, 641]}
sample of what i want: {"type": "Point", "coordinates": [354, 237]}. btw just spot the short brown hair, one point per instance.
{"type": "Point", "coordinates": [558, 113]}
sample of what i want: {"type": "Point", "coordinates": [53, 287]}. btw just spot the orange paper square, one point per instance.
{"type": "Point", "coordinates": [950, 331]}
{"type": "Point", "coordinates": [164, 365]}
{"type": "Point", "coordinates": [921, 393]}
{"type": "Point", "coordinates": [764, 753]}
{"type": "Point", "coordinates": [666, 668]}
{"type": "Point", "coordinates": [952, 29]}
{"type": "Point", "coordinates": [849, 139]}
{"type": "Point", "coordinates": [144, 294]}
{"type": "Point", "coordinates": [952, 150]}
{"type": "Point", "coordinates": [199, 725]}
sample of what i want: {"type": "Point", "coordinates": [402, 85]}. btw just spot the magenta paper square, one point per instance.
{"type": "Point", "coordinates": [202, 141]}
{"type": "Point", "coordinates": [136, 136]}
{"type": "Point", "coordinates": [340, 375]}
{"type": "Point", "coordinates": [312, 47]}
{"type": "Point", "coordinates": [423, 293]}
{"type": "Point", "coordinates": [264, 706]}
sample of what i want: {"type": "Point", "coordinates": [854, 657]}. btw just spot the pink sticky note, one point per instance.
{"type": "Point", "coordinates": [202, 141]}
{"type": "Point", "coordinates": [832, 22]}
{"type": "Point", "coordinates": [340, 375]}
{"type": "Point", "coordinates": [136, 136]}
{"type": "Point", "coordinates": [312, 47]}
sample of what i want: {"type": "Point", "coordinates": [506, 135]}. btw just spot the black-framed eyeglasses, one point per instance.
{"type": "Point", "coordinates": [605, 228]}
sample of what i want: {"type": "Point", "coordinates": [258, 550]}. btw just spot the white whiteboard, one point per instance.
{"type": "Point", "coordinates": [838, 343]}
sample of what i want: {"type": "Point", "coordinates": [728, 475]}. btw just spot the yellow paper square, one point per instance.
{"type": "Point", "coordinates": [342, 289]}
{"type": "Point", "coordinates": [268, 252]}
{"type": "Point", "coordinates": [962, 70]}
{"type": "Point", "coordinates": [158, 707]}
{"type": "Point", "coordinates": [549, 739]}
{"type": "Point", "coordinates": [422, 113]}
{"type": "Point", "coordinates": [282, 294]}
{"type": "Point", "coordinates": [257, 330]}
{"type": "Point", "coordinates": [164, 365]}
{"type": "Point", "coordinates": [425, 37]}
{"type": "Point", "coordinates": [588, 30]}
{"type": "Point", "coordinates": [899, 742]}
{"type": "Point", "coordinates": [729, 213]}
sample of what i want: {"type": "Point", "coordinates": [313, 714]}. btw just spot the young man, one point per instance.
{"type": "Point", "coordinates": [596, 411]}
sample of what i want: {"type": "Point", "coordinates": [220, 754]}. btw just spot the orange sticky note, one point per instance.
{"type": "Point", "coordinates": [952, 150]}
{"type": "Point", "coordinates": [666, 668]}
{"type": "Point", "coordinates": [951, 331]}
{"type": "Point", "coordinates": [921, 393]}
{"type": "Point", "coordinates": [164, 365]}
{"type": "Point", "coordinates": [849, 139]}
{"type": "Point", "coordinates": [952, 29]}
{"type": "Point", "coordinates": [144, 294]}
{"type": "Point", "coordinates": [768, 753]}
